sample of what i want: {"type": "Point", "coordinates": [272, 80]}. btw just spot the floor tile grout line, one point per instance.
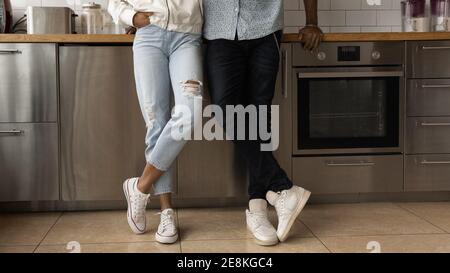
{"type": "Point", "coordinates": [48, 231]}
{"type": "Point", "coordinates": [315, 236]}
{"type": "Point", "coordinates": [417, 215]}
{"type": "Point", "coordinates": [179, 231]}
{"type": "Point", "coordinates": [384, 234]}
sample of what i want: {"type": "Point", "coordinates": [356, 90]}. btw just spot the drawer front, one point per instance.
{"type": "Point", "coordinates": [29, 162]}
{"type": "Point", "coordinates": [427, 173]}
{"type": "Point", "coordinates": [428, 135]}
{"type": "Point", "coordinates": [355, 174]}
{"type": "Point", "coordinates": [428, 97]}
{"type": "Point", "coordinates": [28, 85]}
{"type": "Point", "coordinates": [428, 59]}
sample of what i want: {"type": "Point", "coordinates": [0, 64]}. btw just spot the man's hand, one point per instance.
{"type": "Point", "coordinates": [130, 30]}
{"type": "Point", "coordinates": [310, 36]}
{"type": "Point", "coordinates": [142, 19]}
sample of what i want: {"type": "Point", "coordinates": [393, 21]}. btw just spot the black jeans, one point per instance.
{"type": "Point", "coordinates": [244, 73]}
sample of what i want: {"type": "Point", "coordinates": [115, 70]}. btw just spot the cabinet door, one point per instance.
{"type": "Point", "coordinates": [29, 162]}
{"type": "Point", "coordinates": [102, 129]}
{"type": "Point", "coordinates": [427, 172]}
{"type": "Point", "coordinates": [428, 135]}
{"type": "Point", "coordinates": [211, 169]}
{"type": "Point", "coordinates": [428, 59]}
{"type": "Point", "coordinates": [283, 99]}
{"type": "Point", "coordinates": [349, 174]}
{"type": "Point", "coordinates": [428, 98]}
{"type": "Point", "coordinates": [28, 83]}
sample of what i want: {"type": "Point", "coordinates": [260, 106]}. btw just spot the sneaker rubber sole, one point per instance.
{"type": "Point", "coordinates": [166, 239]}
{"type": "Point", "coordinates": [263, 242]}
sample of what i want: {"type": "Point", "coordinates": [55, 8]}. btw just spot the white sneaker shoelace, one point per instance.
{"type": "Point", "coordinates": [139, 204]}
{"type": "Point", "coordinates": [167, 223]}
{"type": "Point", "coordinates": [259, 220]}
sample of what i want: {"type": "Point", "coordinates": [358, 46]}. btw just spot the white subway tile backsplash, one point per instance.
{"type": "Point", "coordinates": [346, 5]}
{"type": "Point", "coordinates": [331, 18]}
{"type": "Point", "coordinates": [385, 4]}
{"type": "Point", "coordinates": [389, 17]}
{"type": "Point", "coordinates": [294, 18]}
{"type": "Point", "coordinates": [334, 15]}
{"type": "Point", "coordinates": [291, 4]}
{"type": "Point", "coordinates": [361, 18]}
{"type": "Point", "coordinates": [322, 4]}
{"type": "Point", "coordinates": [376, 29]}
{"type": "Point", "coordinates": [345, 29]}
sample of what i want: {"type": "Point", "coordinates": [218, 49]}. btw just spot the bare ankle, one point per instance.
{"type": "Point", "coordinates": [141, 187]}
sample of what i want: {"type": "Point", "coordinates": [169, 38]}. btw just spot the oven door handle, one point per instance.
{"type": "Point", "coordinates": [355, 164]}
{"type": "Point", "coordinates": [344, 74]}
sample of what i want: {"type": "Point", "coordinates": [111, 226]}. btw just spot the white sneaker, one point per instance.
{"type": "Point", "coordinates": [288, 204]}
{"type": "Point", "coordinates": [258, 223]}
{"type": "Point", "coordinates": [137, 204]}
{"type": "Point", "coordinates": [167, 230]}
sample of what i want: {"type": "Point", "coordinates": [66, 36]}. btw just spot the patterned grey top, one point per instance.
{"type": "Point", "coordinates": [250, 19]}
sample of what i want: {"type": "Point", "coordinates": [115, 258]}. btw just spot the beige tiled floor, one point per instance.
{"type": "Point", "coordinates": [394, 227]}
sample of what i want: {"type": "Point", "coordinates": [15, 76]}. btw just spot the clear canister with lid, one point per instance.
{"type": "Point", "coordinates": [92, 18]}
{"type": "Point", "coordinates": [438, 14]}
{"type": "Point", "coordinates": [447, 15]}
{"type": "Point", "coordinates": [415, 17]}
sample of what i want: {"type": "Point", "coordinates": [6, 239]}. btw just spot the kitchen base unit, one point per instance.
{"type": "Point", "coordinates": [102, 130]}
{"type": "Point", "coordinates": [355, 174]}
{"type": "Point", "coordinates": [29, 162]}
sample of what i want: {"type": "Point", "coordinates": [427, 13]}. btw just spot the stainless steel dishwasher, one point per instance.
{"type": "Point", "coordinates": [102, 130]}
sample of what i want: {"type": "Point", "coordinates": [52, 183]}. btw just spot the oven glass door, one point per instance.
{"type": "Point", "coordinates": [341, 112]}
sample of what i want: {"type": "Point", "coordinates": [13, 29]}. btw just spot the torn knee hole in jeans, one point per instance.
{"type": "Point", "coordinates": [150, 116]}
{"type": "Point", "coordinates": [192, 88]}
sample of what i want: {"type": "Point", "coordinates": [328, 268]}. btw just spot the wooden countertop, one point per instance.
{"type": "Point", "coordinates": [329, 37]}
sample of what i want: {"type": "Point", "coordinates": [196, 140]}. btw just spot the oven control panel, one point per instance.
{"type": "Point", "coordinates": [350, 54]}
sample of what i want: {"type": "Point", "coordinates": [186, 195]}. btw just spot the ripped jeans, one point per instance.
{"type": "Point", "coordinates": [166, 62]}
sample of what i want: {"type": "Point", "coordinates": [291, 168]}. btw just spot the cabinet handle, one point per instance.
{"type": "Point", "coordinates": [13, 132]}
{"type": "Point", "coordinates": [436, 86]}
{"type": "Point", "coordinates": [284, 74]}
{"type": "Point", "coordinates": [425, 162]}
{"type": "Point", "coordinates": [435, 47]}
{"type": "Point", "coordinates": [359, 164]}
{"type": "Point", "coordinates": [10, 51]}
{"type": "Point", "coordinates": [435, 124]}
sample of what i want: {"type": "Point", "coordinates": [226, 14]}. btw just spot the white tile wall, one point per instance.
{"type": "Point", "coordinates": [334, 15]}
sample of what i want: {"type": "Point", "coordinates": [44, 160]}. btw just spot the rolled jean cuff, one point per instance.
{"type": "Point", "coordinates": [161, 192]}
{"type": "Point", "coordinates": [158, 165]}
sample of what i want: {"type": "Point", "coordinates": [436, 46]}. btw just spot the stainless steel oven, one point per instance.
{"type": "Point", "coordinates": [348, 99]}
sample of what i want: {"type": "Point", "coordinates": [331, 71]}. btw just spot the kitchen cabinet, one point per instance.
{"type": "Point", "coordinates": [356, 174]}
{"type": "Point", "coordinates": [427, 172]}
{"type": "Point", "coordinates": [102, 130]}
{"type": "Point", "coordinates": [428, 59]}
{"type": "Point", "coordinates": [29, 162]}
{"type": "Point", "coordinates": [211, 169]}
{"type": "Point", "coordinates": [427, 165]}
{"type": "Point", "coordinates": [28, 84]}
{"type": "Point", "coordinates": [28, 123]}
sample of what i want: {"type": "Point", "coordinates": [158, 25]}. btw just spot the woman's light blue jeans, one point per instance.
{"type": "Point", "coordinates": [166, 62]}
